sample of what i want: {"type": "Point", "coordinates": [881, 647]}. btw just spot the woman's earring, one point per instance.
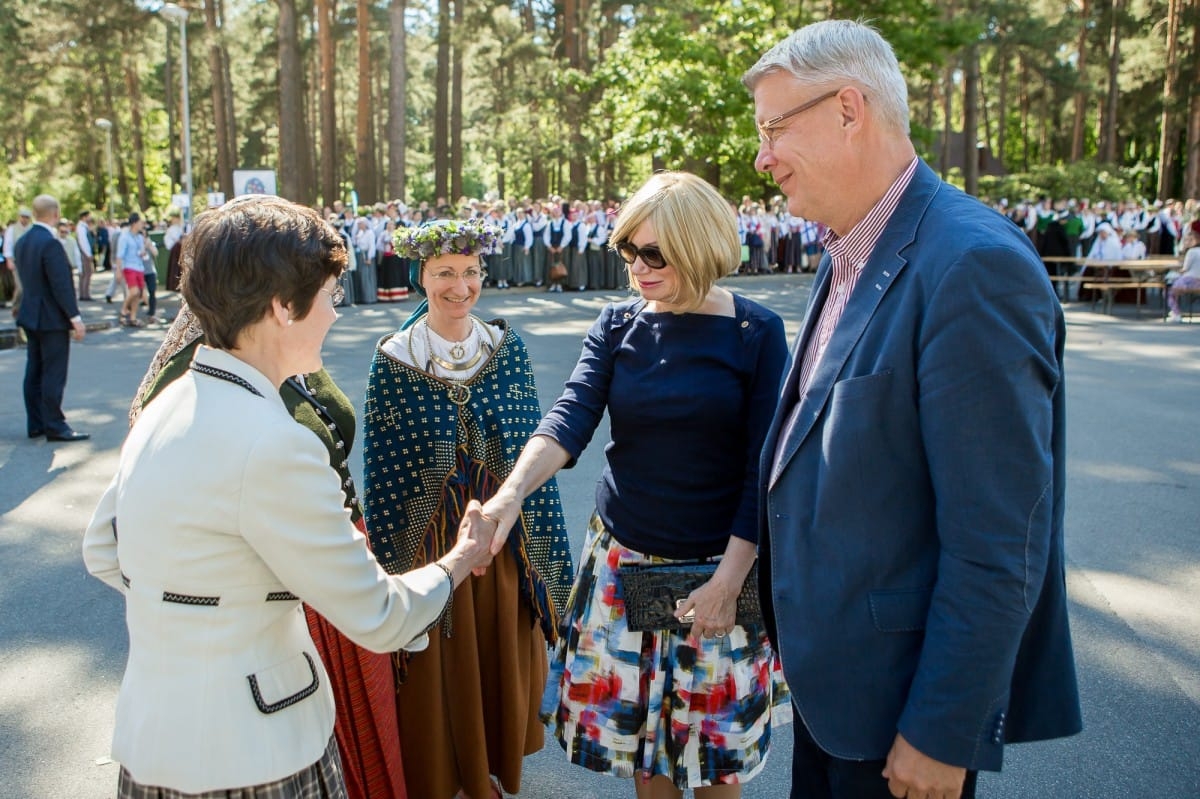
{"type": "Point", "coordinates": [291, 322]}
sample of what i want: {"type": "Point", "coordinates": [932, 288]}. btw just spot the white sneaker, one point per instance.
{"type": "Point", "coordinates": [1175, 318]}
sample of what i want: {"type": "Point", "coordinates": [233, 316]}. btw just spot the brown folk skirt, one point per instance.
{"type": "Point", "coordinates": [469, 706]}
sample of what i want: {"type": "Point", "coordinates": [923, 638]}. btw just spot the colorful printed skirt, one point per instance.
{"type": "Point", "coordinates": [647, 704]}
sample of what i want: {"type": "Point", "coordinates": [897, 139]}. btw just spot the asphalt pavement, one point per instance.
{"type": "Point", "coordinates": [1133, 551]}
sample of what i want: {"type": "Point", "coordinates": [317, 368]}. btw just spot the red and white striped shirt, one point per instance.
{"type": "Point", "coordinates": [849, 255]}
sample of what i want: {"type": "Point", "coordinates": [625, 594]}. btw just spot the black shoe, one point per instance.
{"type": "Point", "coordinates": [70, 435]}
{"type": "Point", "coordinates": [37, 433]}
{"type": "Point", "coordinates": [107, 298]}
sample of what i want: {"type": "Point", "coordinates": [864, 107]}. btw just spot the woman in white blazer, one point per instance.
{"type": "Point", "coordinates": [223, 689]}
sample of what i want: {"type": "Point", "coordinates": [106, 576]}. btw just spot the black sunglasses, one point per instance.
{"type": "Point", "coordinates": [651, 256]}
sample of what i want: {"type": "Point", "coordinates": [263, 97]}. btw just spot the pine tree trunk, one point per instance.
{"type": "Point", "coordinates": [577, 158]}
{"type": "Point", "coordinates": [1108, 131]}
{"type": "Point", "coordinates": [1168, 146]}
{"type": "Point", "coordinates": [328, 112]}
{"type": "Point", "coordinates": [1002, 105]}
{"type": "Point", "coordinates": [1191, 178]}
{"type": "Point", "coordinates": [116, 205]}
{"type": "Point", "coordinates": [364, 150]}
{"type": "Point", "coordinates": [397, 90]}
{"type": "Point", "coordinates": [1081, 96]}
{"type": "Point", "coordinates": [441, 105]}
{"type": "Point", "coordinates": [222, 124]}
{"type": "Point", "coordinates": [971, 121]}
{"type": "Point", "coordinates": [134, 90]}
{"type": "Point", "coordinates": [456, 109]}
{"type": "Point", "coordinates": [947, 120]}
{"type": "Point", "coordinates": [291, 106]}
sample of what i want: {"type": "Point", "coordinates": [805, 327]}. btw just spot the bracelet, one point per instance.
{"type": "Point", "coordinates": [446, 616]}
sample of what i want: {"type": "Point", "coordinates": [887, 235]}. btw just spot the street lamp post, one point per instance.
{"type": "Point", "coordinates": [106, 126]}
{"type": "Point", "coordinates": [174, 13]}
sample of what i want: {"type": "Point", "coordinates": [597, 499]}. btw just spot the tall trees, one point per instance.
{"type": "Point", "coordinates": [224, 128]}
{"type": "Point", "coordinates": [397, 130]}
{"type": "Point", "coordinates": [294, 181]}
{"type": "Point", "coordinates": [1108, 120]}
{"type": "Point", "coordinates": [365, 169]}
{"type": "Point", "coordinates": [325, 10]}
{"type": "Point", "coordinates": [441, 107]}
{"type": "Point", "coordinates": [1168, 146]}
{"type": "Point", "coordinates": [420, 99]}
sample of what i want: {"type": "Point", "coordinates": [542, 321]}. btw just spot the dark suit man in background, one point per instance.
{"type": "Point", "coordinates": [912, 557]}
{"type": "Point", "coordinates": [49, 315]}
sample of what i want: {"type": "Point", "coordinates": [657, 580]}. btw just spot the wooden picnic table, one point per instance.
{"type": "Point", "coordinates": [1106, 283]}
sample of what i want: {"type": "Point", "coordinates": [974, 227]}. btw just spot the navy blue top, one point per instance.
{"type": "Point", "coordinates": [689, 398]}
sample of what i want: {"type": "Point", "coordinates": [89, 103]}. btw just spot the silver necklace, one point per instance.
{"type": "Point", "coordinates": [458, 350]}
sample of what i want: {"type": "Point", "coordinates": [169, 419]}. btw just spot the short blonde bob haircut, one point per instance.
{"type": "Point", "coordinates": [696, 231]}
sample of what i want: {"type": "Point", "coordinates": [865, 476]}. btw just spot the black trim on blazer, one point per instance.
{"type": "Point", "coordinates": [287, 701]}
{"type": "Point", "coordinates": [188, 599]}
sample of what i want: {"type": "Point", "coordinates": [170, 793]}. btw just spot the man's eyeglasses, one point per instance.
{"type": "Point", "coordinates": [770, 130]}
{"type": "Point", "coordinates": [337, 294]}
{"type": "Point", "coordinates": [651, 256]}
{"type": "Point", "coordinates": [450, 276]}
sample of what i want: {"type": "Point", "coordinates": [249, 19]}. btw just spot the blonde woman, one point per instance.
{"type": "Point", "coordinates": [688, 374]}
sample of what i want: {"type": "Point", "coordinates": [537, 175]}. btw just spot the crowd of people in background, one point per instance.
{"type": "Point", "coordinates": [1076, 228]}
{"type": "Point", "coordinates": [560, 244]}
{"type": "Point", "coordinates": [556, 243]}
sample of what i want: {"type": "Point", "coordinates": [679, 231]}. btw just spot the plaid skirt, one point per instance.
{"type": "Point", "coordinates": [645, 704]}
{"type": "Point", "coordinates": [321, 780]}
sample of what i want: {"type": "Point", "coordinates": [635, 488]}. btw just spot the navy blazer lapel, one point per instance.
{"type": "Point", "coordinates": [878, 275]}
{"type": "Point", "coordinates": [789, 388]}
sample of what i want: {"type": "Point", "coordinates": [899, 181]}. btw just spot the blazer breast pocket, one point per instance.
{"type": "Point", "coordinates": [284, 684]}
{"type": "Point", "coordinates": [900, 610]}
{"type": "Point", "coordinates": [864, 386]}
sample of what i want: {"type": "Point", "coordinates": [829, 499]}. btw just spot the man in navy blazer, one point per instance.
{"type": "Point", "coordinates": [911, 559]}
{"type": "Point", "coordinates": [49, 315]}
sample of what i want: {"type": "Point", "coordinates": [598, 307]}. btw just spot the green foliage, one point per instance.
{"type": "Point", "coordinates": [1084, 180]}
{"type": "Point", "coordinates": [657, 86]}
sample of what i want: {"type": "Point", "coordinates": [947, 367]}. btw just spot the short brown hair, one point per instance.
{"type": "Point", "coordinates": [241, 256]}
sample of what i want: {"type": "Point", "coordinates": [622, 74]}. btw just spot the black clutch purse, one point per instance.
{"type": "Point", "coordinates": [652, 593]}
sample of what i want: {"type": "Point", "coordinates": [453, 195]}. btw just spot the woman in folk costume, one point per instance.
{"type": "Point", "coordinates": [393, 270]}
{"type": "Point", "coordinates": [556, 236]}
{"type": "Point", "coordinates": [450, 402]}
{"type": "Point", "coordinates": [499, 265]}
{"type": "Point", "coordinates": [577, 271]}
{"type": "Point", "coordinates": [597, 239]}
{"type": "Point", "coordinates": [537, 225]}
{"type": "Point", "coordinates": [522, 248]}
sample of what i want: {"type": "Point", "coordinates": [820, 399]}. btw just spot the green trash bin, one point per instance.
{"type": "Point", "coordinates": [160, 260]}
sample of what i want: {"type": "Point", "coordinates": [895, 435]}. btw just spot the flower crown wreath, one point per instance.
{"type": "Point", "coordinates": [446, 237]}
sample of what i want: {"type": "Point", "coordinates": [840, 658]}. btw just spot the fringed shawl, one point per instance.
{"type": "Point", "coordinates": [430, 445]}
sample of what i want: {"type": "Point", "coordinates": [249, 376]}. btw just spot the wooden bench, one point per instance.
{"type": "Point", "coordinates": [1066, 280]}
{"type": "Point", "coordinates": [1189, 296]}
{"type": "Point", "coordinates": [1109, 287]}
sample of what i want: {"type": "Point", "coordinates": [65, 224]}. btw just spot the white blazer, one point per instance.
{"type": "Point", "coordinates": [223, 514]}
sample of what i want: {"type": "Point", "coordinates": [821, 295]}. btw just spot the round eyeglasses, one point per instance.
{"type": "Point", "coordinates": [651, 256]}
{"type": "Point", "coordinates": [471, 275]}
